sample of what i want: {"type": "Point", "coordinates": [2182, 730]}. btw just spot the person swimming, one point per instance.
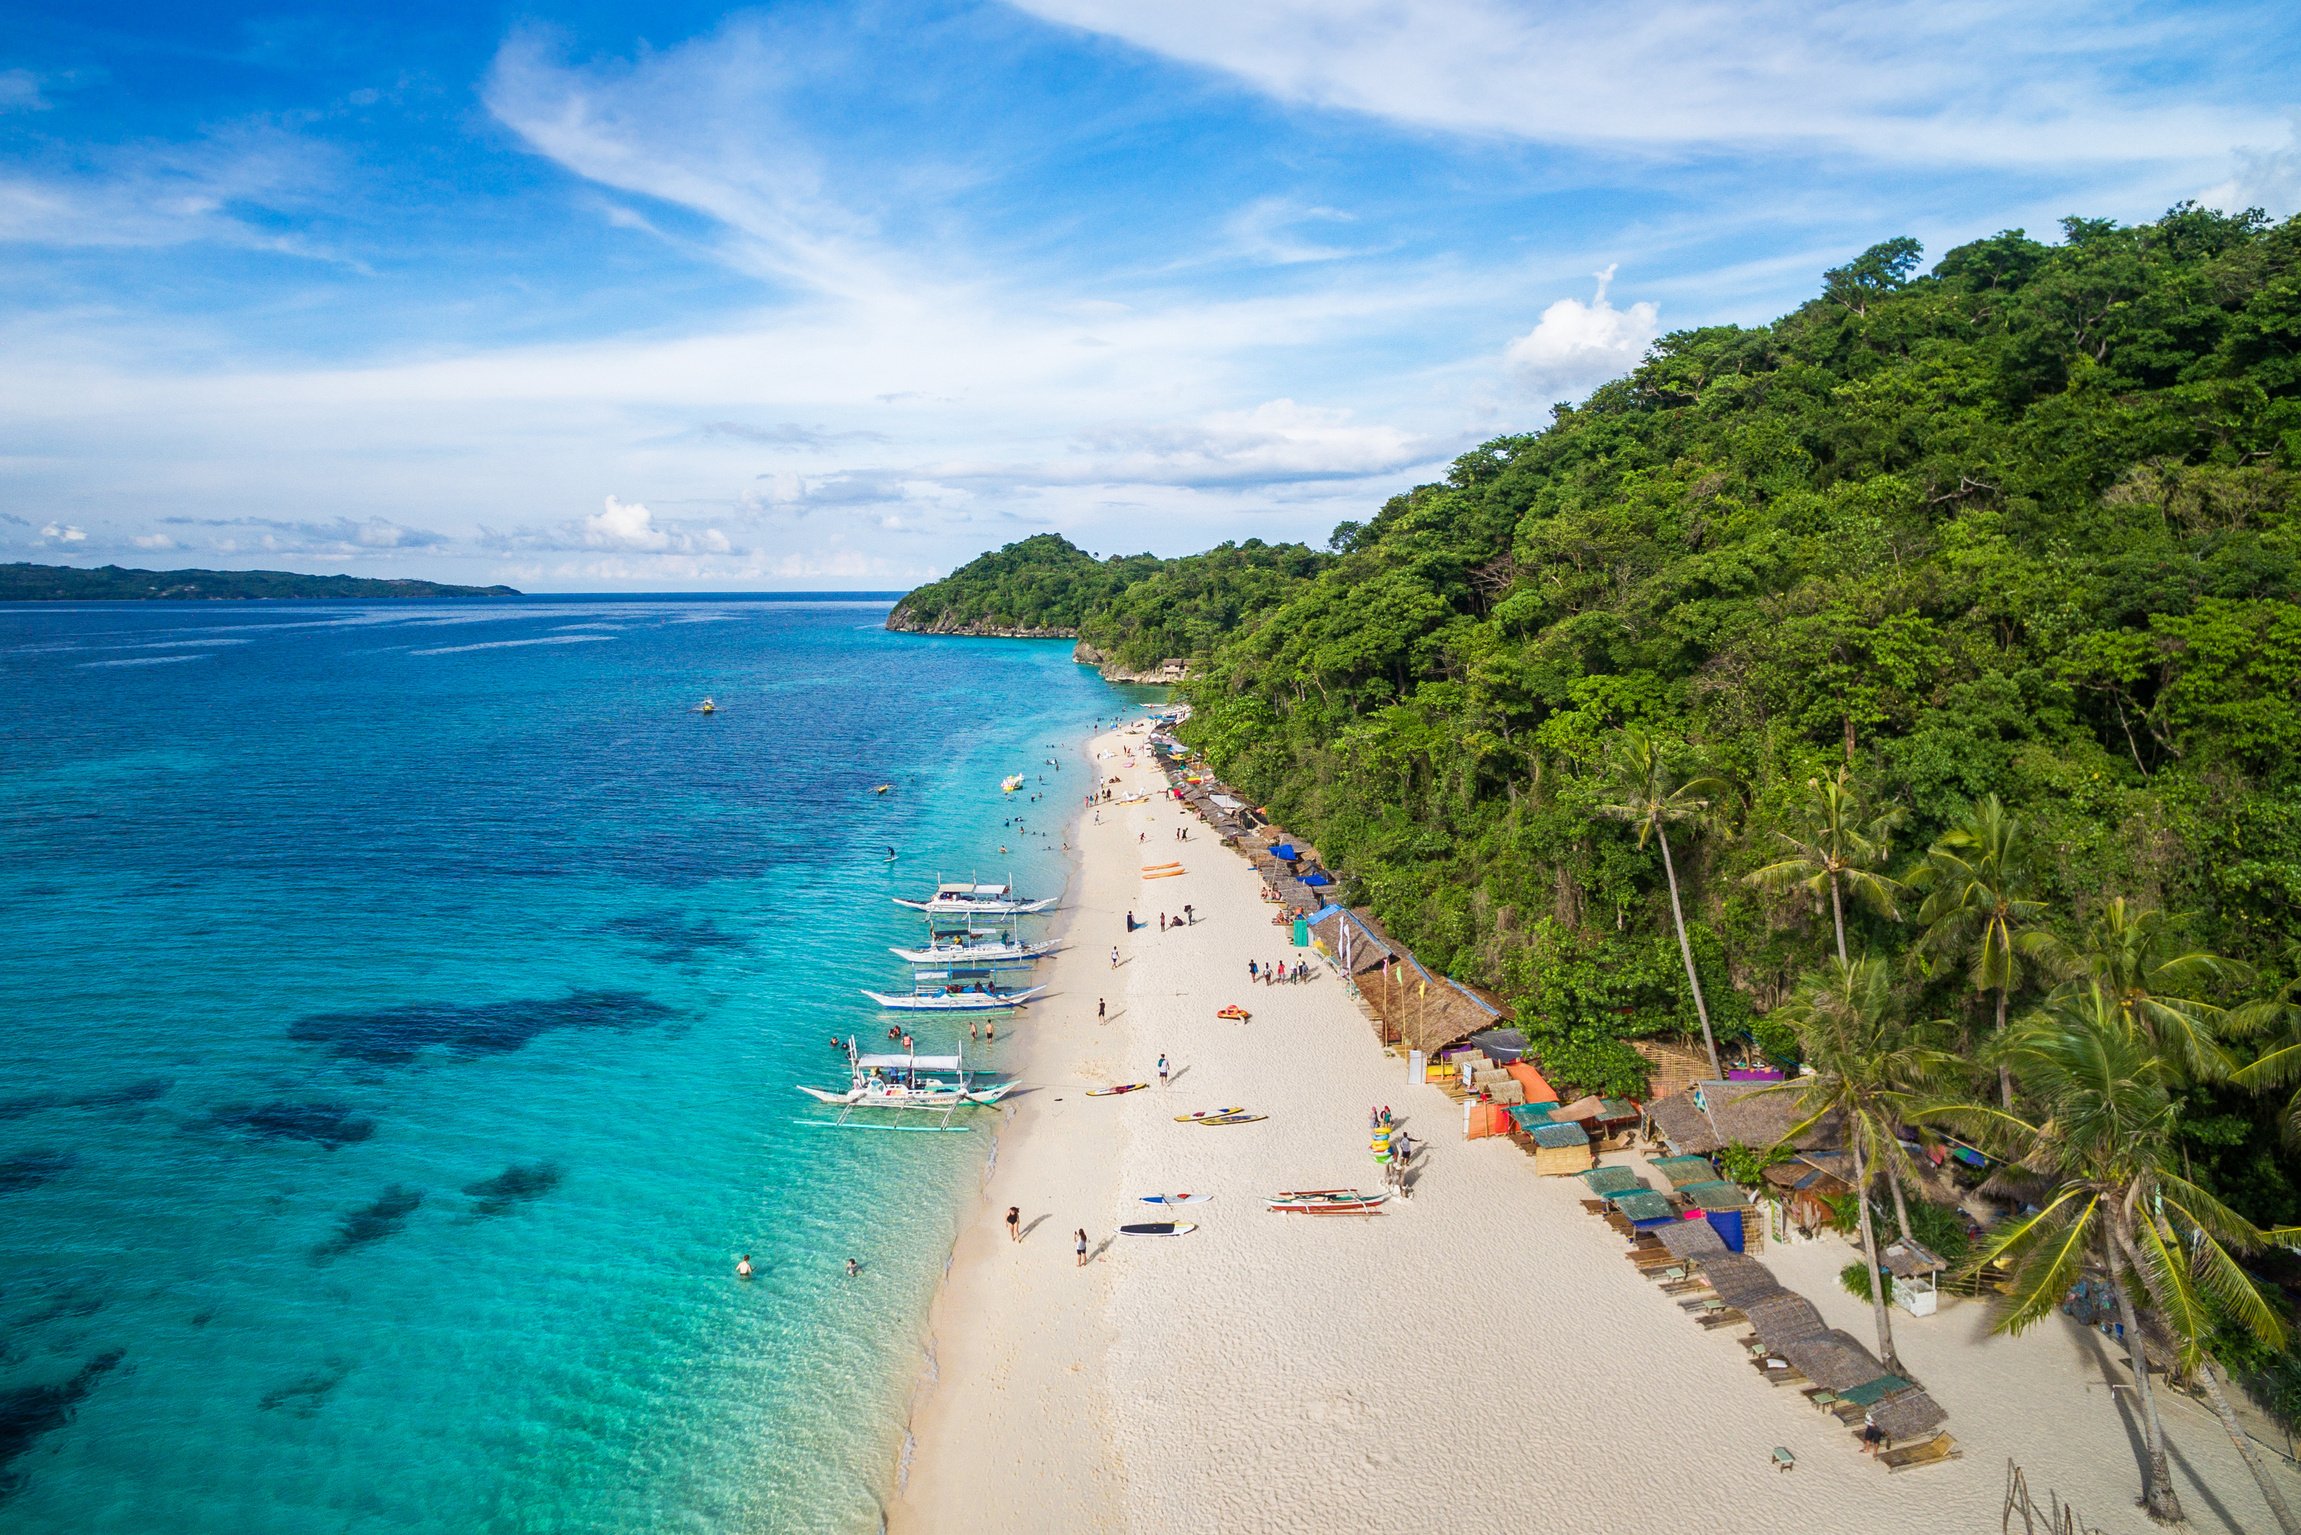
{"type": "Point", "coordinates": [853, 1268]}
{"type": "Point", "coordinates": [743, 1267]}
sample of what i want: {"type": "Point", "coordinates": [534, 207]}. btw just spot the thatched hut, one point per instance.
{"type": "Point", "coordinates": [1830, 1359]}
{"type": "Point", "coordinates": [1681, 1171]}
{"type": "Point", "coordinates": [1907, 1414]}
{"type": "Point", "coordinates": [1782, 1320]}
{"type": "Point", "coordinates": [1712, 1115]}
{"type": "Point", "coordinates": [1611, 1180]}
{"type": "Point", "coordinates": [1558, 1148]}
{"type": "Point", "coordinates": [1691, 1239]}
{"type": "Point", "coordinates": [1917, 1274]}
{"type": "Point", "coordinates": [1740, 1281]}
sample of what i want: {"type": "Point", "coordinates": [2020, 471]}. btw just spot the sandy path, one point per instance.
{"type": "Point", "coordinates": [1478, 1359]}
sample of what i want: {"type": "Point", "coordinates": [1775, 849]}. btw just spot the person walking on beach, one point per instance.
{"type": "Point", "coordinates": [1079, 1243]}
{"type": "Point", "coordinates": [1252, 970]}
{"type": "Point", "coordinates": [1101, 1013]}
{"type": "Point", "coordinates": [1162, 1068]}
{"type": "Point", "coordinates": [1162, 921]}
{"type": "Point", "coordinates": [1115, 952]}
{"type": "Point", "coordinates": [1014, 1223]}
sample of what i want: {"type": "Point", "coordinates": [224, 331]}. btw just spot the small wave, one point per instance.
{"type": "Point", "coordinates": [144, 661]}
{"type": "Point", "coordinates": [549, 639]}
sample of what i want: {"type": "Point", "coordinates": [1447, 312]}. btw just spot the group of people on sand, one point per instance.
{"type": "Point", "coordinates": [1278, 973]}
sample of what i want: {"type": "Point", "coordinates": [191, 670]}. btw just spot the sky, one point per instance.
{"type": "Point", "coordinates": [594, 297]}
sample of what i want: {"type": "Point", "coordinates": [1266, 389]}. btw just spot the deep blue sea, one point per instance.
{"type": "Point", "coordinates": [399, 1012]}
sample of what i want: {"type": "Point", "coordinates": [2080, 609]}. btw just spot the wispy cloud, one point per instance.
{"type": "Point", "coordinates": [1896, 80]}
{"type": "Point", "coordinates": [166, 194]}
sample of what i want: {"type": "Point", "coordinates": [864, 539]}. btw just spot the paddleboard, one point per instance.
{"type": "Point", "coordinates": [1113, 1092]}
{"type": "Point", "coordinates": [1184, 1119]}
{"type": "Point", "coordinates": [1158, 1229]}
{"type": "Point", "coordinates": [1231, 1119]}
{"type": "Point", "coordinates": [1166, 874]}
{"type": "Point", "coordinates": [1176, 1199]}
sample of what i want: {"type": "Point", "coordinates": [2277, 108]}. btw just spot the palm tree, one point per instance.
{"type": "Point", "coordinates": [1646, 791]}
{"type": "Point", "coordinates": [1875, 1073]}
{"type": "Point", "coordinates": [1980, 899]}
{"type": "Point", "coordinates": [2280, 1063]}
{"type": "Point", "coordinates": [2105, 1148]}
{"type": "Point", "coordinates": [2130, 955]}
{"type": "Point", "coordinates": [1837, 850]}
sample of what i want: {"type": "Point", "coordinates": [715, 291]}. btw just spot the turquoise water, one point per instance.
{"type": "Point", "coordinates": [400, 1007]}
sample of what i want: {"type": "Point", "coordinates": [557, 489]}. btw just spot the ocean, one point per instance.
{"type": "Point", "coordinates": [400, 1007]}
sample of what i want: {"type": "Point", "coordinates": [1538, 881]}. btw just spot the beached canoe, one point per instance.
{"type": "Point", "coordinates": [1230, 1119]}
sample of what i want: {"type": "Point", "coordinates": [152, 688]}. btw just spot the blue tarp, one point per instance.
{"type": "Point", "coordinates": [1322, 914]}
{"type": "Point", "coordinates": [1284, 852]}
{"type": "Point", "coordinates": [1314, 879]}
{"type": "Point", "coordinates": [1728, 1225]}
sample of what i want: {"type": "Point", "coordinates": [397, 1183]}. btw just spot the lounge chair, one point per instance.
{"type": "Point", "coordinates": [1939, 1448]}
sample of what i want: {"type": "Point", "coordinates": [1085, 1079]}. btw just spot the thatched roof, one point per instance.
{"type": "Point", "coordinates": [1712, 1115]}
{"type": "Point", "coordinates": [1611, 1179]}
{"type": "Point", "coordinates": [1739, 1279]}
{"type": "Point", "coordinates": [1834, 1360]}
{"type": "Point", "coordinates": [1369, 945]}
{"type": "Point", "coordinates": [1907, 1260]}
{"type": "Point", "coordinates": [1716, 1194]}
{"type": "Point", "coordinates": [1684, 1170]}
{"type": "Point", "coordinates": [1782, 1320]}
{"type": "Point", "coordinates": [1642, 1205]}
{"type": "Point", "coordinates": [1906, 1415]}
{"type": "Point", "coordinates": [1691, 1239]}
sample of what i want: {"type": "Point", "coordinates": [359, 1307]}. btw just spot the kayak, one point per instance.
{"type": "Point", "coordinates": [1158, 1229]}
{"type": "Point", "coordinates": [1184, 1119]}
{"type": "Point", "coordinates": [1327, 1202]}
{"type": "Point", "coordinates": [1176, 1199]}
{"type": "Point", "coordinates": [1166, 874]}
{"type": "Point", "coordinates": [1230, 1119]}
{"type": "Point", "coordinates": [1153, 868]}
{"type": "Point", "coordinates": [1113, 1092]}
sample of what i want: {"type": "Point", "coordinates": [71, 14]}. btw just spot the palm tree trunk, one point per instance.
{"type": "Point", "coordinates": [1870, 1256]}
{"type": "Point", "coordinates": [2004, 1071]}
{"type": "Point", "coordinates": [1838, 915]}
{"type": "Point", "coordinates": [2157, 1494]}
{"type": "Point", "coordinates": [1901, 1204]}
{"type": "Point", "coordinates": [1686, 951]}
{"type": "Point", "coordinates": [2244, 1442]}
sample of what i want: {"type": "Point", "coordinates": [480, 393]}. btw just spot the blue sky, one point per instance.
{"type": "Point", "coordinates": [590, 297]}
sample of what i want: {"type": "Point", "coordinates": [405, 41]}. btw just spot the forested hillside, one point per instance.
{"type": "Point", "coordinates": [2023, 526]}
{"type": "Point", "coordinates": [1135, 611]}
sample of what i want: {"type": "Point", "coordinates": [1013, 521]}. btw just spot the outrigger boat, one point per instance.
{"type": "Point", "coordinates": [928, 1083]}
{"type": "Point", "coordinates": [955, 991]}
{"type": "Point", "coordinates": [1001, 949]}
{"type": "Point", "coordinates": [1327, 1202]}
{"type": "Point", "coordinates": [968, 899]}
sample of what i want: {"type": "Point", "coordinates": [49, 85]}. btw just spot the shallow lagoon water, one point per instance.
{"type": "Point", "coordinates": [401, 1006]}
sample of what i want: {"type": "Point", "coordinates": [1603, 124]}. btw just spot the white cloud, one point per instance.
{"type": "Point", "coordinates": [2037, 82]}
{"type": "Point", "coordinates": [172, 194]}
{"type": "Point", "coordinates": [155, 541]}
{"type": "Point", "coordinates": [624, 526]}
{"type": "Point", "coordinates": [63, 535]}
{"type": "Point", "coordinates": [2268, 179]}
{"type": "Point", "coordinates": [1575, 346]}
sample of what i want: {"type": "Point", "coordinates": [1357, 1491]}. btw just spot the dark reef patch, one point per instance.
{"type": "Point", "coordinates": [397, 1036]}
{"type": "Point", "coordinates": [670, 937]}
{"type": "Point", "coordinates": [30, 1413]}
{"type": "Point", "coordinates": [69, 1306]}
{"type": "Point", "coordinates": [306, 1396]}
{"type": "Point", "coordinates": [370, 1223]}
{"type": "Point", "coordinates": [30, 1169]}
{"type": "Point", "coordinates": [323, 1123]}
{"type": "Point", "coordinates": [96, 1098]}
{"type": "Point", "coordinates": [514, 1186]}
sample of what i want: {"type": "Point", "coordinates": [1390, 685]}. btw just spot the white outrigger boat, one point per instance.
{"type": "Point", "coordinates": [932, 1084]}
{"type": "Point", "coordinates": [1003, 950]}
{"type": "Point", "coordinates": [955, 991]}
{"type": "Point", "coordinates": [968, 899]}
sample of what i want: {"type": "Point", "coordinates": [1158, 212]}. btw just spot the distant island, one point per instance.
{"type": "Point", "coordinates": [22, 582]}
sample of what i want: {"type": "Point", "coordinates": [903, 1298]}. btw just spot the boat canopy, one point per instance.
{"type": "Point", "coordinates": [908, 1062]}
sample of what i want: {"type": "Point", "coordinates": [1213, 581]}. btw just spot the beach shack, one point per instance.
{"type": "Point", "coordinates": [1712, 1115]}
{"type": "Point", "coordinates": [1559, 1147]}
{"type": "Point", "coordinates": [1917, 1276]}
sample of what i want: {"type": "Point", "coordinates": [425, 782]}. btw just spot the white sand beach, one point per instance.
{"type": "Point", "coordinates": [1478, 1358]}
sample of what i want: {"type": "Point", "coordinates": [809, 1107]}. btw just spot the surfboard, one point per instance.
{"type": "Point", "coordinates": [1176, 1199]}
{"type": "Point", "coordinates": [1158, 1229]}
{"type": "Point", "coordinates": [1184, 1119]}
{"type": "Point", "coordinates": [1113, 1092]}
{"type": "Point", "coordinates": [1231, 1119]}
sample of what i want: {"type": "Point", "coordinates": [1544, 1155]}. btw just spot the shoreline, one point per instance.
{"type": "Point", "coordinates": [1478, 1358]}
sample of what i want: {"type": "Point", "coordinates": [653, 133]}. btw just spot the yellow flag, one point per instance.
{"type": "Point", "coordinates": [1422, 988]}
